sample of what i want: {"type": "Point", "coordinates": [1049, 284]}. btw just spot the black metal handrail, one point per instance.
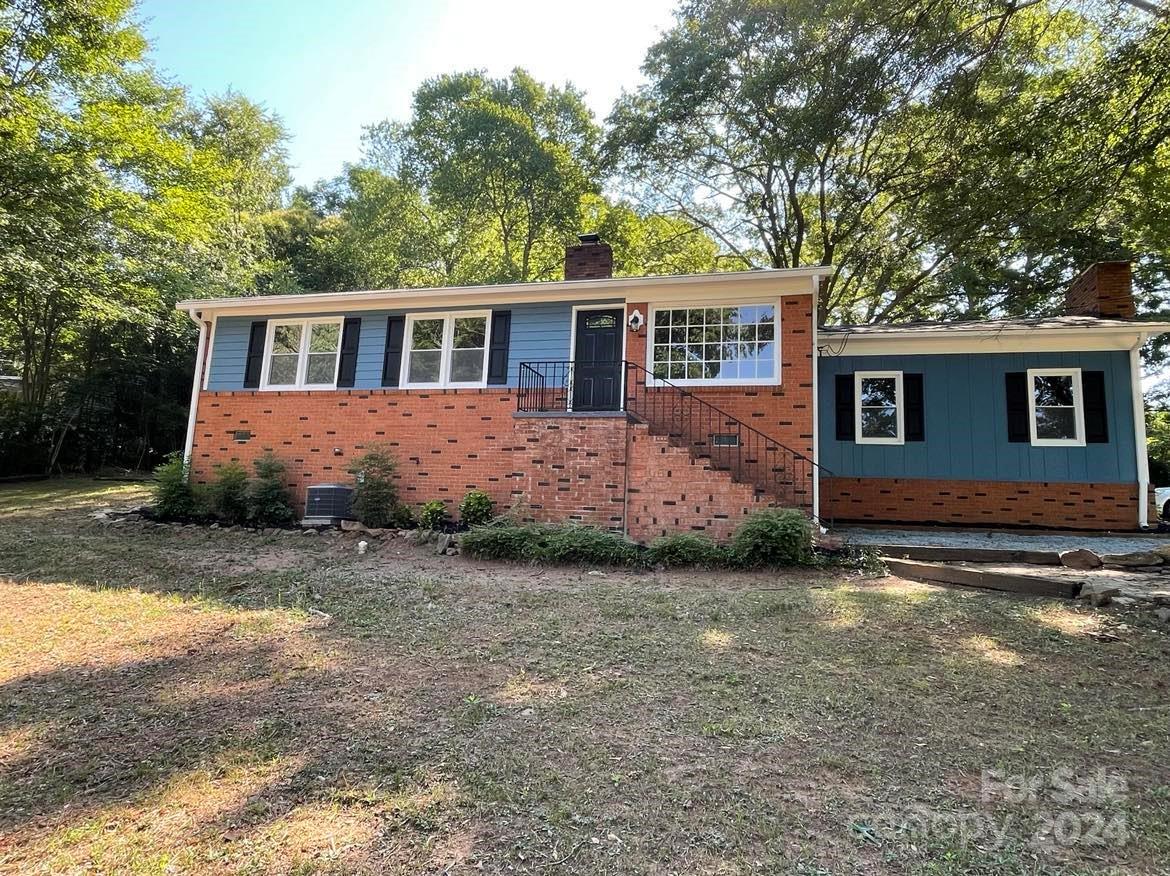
{"type": "Point", "coordinates": [547, 386]}
{"type": "Point", "coordinates": [776, 471]}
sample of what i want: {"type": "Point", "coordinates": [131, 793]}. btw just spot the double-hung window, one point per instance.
{"type": "Point", "coordinates": [446, 350]}
{"type": "Point", "coordinates": [880, 416]}
{"type": "Point", "coordinates": [302, 354]}
{"type": "Point", "coordinates": [713, 345]}
{"type": "Point", "coordinates": [1056, 407]}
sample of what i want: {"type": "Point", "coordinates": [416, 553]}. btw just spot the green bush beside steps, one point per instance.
{"type": "Point", "coordinates": [771, 538]}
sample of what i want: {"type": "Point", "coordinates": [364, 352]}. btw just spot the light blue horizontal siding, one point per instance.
{"type": "Point", "coordinates": [966, 422]}
{"type": "Point", "coordinates": [229, 352]}
{"type": "Point", "coordinates": [539, 332]}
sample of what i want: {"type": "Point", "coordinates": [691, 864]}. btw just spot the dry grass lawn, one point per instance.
{"type": "Point", "coordinates": [169, 704]}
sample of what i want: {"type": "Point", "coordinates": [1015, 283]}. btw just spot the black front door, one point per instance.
{"type": "Point", "coordinates": [597, 366]}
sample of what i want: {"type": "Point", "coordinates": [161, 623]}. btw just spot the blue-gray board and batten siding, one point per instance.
{"type": "Point", "coordinates": [539, 332]}
{"type": "Point", "coordinates": [965, 412]}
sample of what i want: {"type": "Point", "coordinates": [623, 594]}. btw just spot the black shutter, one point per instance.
{"type": "Point", "coordinates": [1016, 385]}
{"type": "Point", "coordinates": [350, 337]}
{"type": "Point", "coordinates": [498, 351]}
{"type": "Point", "coordinates": [915, 413]}
{"type": "Point", "coordinates": [255, 361]}
{"type": "Point", "coordinates": [845, 411]}
{"type": "Point", "coordinates": [1096, 415]}
{"type": "Point", "coordinates": [392, 362]}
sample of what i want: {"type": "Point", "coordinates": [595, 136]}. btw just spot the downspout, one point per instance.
{"type": "Point", "coordinates": [196, 381]}
{"type": "Point", "coordinates": [816, 408]}
{"type": "Point", "coordinates": [1139, 432]}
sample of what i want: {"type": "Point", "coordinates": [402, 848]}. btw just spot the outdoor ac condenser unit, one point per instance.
{"type": "Point", "coordinates": [327, 504]}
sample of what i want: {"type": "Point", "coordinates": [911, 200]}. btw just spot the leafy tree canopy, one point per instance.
{"type": "Point", "coordinates": [946, 156]}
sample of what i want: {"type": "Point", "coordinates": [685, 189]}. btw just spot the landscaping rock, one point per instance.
{"type": "Point", "coordinates": [1159, 597]}
{"type": "Point", "coordinates": [1081, 558]}
{"type": "Point", "coordinates": [442, 543]}
{"type": "Point", "coordinates": [1163, 614]}
{"type": "Point", "coordinates": [1099, 593]}
{"type": "Point", "coordinates": [363, 545]}
{"type": "Point", "coordinates": [377, 533]}
{"type": "Point", "coordinates": [451, 552]}
{"type": "Point", "coordinates": [1142, 558]}
{"type": "Point", "coordinates": [351, 526]}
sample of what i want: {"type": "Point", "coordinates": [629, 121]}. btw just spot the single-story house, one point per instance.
{"type": "Point", "coordinates": [656, 404]}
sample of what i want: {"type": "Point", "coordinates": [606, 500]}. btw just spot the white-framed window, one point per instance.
{"type": "Point", "coordinates": [446, 349]}
{"type": "Point", "coordinates": [302, 353]}
{"type": "Point", "coordinates": [736, 344]}
{"type": "Point", "coordinates": [1056, 408]}
{"type": "Point", "coordinates": [879, 407]}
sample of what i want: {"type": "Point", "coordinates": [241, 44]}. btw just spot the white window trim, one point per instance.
{"type": "Point", "coordinates": [899, 405]}
{"type": "Point", "coordinates": [775, 380]}
{"type": "Point", "coordinates": [445, 349]}
{"type": "Point", "coordinates": [302, 352]}
{"type": "Point", "coordinates": [1078, 407]}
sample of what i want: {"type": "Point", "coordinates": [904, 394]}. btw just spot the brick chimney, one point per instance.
{"type": "Point", "coordinates": [1104, 289]}
{"type": "Point", "coordinates": [591, 259]}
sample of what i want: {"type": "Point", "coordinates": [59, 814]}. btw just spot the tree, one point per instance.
{"type": "Point", "coordinates": [116, 198]}
{"type": "Point", "coordinates": [646, 244]}
{"type": "Point", "coordinates": [914, 146]}
{"type": "Point", "coordinates": [250, 174]}
{"type": "Point", "coordinates": [510, 152]}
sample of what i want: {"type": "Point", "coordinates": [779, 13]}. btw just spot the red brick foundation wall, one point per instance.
{"type": "Point", "coordinates": [446, 443]}
{"type": "Point", "coordinates": [980, 503]}
{"type": "Point", "coordinates": [570, 469]}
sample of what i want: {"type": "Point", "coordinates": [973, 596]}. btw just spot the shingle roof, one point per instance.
{"type": "Point", "coordinates": [987, 326]}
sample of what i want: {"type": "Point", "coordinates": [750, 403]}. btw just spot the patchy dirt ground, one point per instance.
{"type": "Point", "coordinates": [169, 703]}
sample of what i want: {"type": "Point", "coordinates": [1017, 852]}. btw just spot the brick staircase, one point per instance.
{"type": "Point", "coordinates": [673, 488]}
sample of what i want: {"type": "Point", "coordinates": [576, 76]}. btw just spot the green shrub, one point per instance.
{"type": "Point", "coordinates": [779, 537]}
{"type": "Point", "coordinates": [375, 495]}
{"type": "Point", "coordinates": [586, 545]}
{"type": "Point", "coordinates": [403, 518]}
{"type": "Point", "coordinates": [500, 542]}
{"type": "Point", "coordinates": [228, 494]}
{"type": "Point", "coordinates": [174, 499]}
{"type": "Point", "coordinates": [572, 544]}
{"type": "Point", "coordinates": [476, 508]}
{"type": "Point", "coordinates": [268, 498]}
{"type": "Point", "coordinates": [433, 515]}
{"type": "Point", "coordinates": [687, 549]}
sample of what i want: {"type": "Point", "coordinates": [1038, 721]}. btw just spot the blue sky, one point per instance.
{"type": "Point", "coordinates": [328, 67]}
